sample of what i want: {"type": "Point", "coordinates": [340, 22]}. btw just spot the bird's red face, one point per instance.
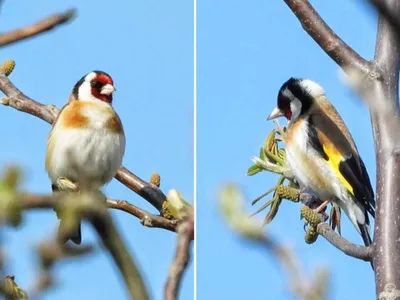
{"type": "Point", "coordinates": [102, 87]}
{"type": "Point", "coordinates": [96, 85]}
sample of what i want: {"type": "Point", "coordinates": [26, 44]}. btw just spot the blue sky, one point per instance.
{"type": "Point", "coordinates": [246, 50]}
{"type": "Point", "coordinates": [147, 47]}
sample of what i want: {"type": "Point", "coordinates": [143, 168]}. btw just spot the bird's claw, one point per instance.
{"type": "Point", "coordinates": [64, 184]}
{"type": "Point", "coordinates": [308, 199]}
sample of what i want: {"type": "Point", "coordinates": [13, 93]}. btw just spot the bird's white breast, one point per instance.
{"type": "Point", "coordinates": [309, 168]}
{"type": "Point", "coordinates": [90, 156]}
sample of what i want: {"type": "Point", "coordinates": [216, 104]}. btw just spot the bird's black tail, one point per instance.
{"type": "Point", "coordinates": [365, 236]}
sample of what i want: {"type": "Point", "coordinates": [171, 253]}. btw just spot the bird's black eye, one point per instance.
{"type": "Point", "coordinates": [96, 84]}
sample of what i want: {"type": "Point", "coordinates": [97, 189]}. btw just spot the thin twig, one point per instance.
{"type": "Point", "coordinates": [325, 37]}
{"type": "Point", "coordinates": [37, 28]}
{"type": "Point", "coordinates": [182, 256]}
{"type": "Point", "coordinates": [356, 251]}
{"type": "Point", "coordinates": [18, 100]}
{"type": "Point", "coordinates": [147, 219]}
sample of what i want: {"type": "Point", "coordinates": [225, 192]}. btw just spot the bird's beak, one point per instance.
{"type": "Point", "coordinates": [108, 89]}
{"type": "Point", "coordinates": [276, 113]}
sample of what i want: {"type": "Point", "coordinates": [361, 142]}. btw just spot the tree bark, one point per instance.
{"type": "Point", "coordinates": [386, 254]}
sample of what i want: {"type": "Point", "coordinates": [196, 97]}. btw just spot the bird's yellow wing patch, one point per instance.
{"type": "Point", "coordinates": [334, 161]}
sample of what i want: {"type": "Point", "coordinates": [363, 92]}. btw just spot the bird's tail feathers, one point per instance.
{"type": "Point", "coordinates": [364, 230]}
{"type": "Point", "coordinates": [359, 218]}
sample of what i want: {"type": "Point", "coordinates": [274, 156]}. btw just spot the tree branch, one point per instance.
{"type": "Point", "coordinates": [325, 37]}
{"type": "Point", "coordinates": [356, 251]}
{"type": "Point", "coordinates": [387, 147]}
{"type": "Point", "coordinates": [385, 10]}
{"type": "Point", "coordinates": [148, 191]}
{"type": "Point", "coordinates": [18, 100]}
{"type": "Point", "coordinates": [37, 28]}
{"type": "Point", "coordinates": [30, 201]}
{"type": "Point", "coordinates": [185, 236]}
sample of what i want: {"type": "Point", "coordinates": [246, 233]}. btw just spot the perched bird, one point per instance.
{"type": "Point", "coordinates": [322, 154]}
{"type": "Point", "coordinates": [87, 142]}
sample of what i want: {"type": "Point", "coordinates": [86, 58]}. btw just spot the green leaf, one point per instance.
{"type": "Point", "coordinates": [253, 170]}
{"type": "Point", "coordinates": [262, 154]}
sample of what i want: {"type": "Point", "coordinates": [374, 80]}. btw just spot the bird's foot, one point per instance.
{"type": "Point", "coordinates": [321, 209]}
{"type": "Point", "coordinates": [313, 215]}
{"type": "Point", "coordinates": [64, 184]}
{"type": "Point", "coordinates": [308, 199]}
{"type": "Point", "coordinates": [314, 203]}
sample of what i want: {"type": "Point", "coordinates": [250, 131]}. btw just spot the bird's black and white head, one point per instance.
{"type": "Point", "coordinates": [295, 97]}
{"type": "Point", "coordinates": [94, 86]}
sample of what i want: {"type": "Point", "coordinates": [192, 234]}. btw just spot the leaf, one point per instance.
{"type": "Point", "coordinates": [254, 169]}
{"type": "Point", "coordinates": [262, 155]}
{"type": "Point", "coordinates": [273, 211]}
{"type": "Point", "coordinates": [334, 219]}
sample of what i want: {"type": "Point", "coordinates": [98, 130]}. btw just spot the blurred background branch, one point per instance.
{"type": "Point", "coordinates": [93, 208]}
{"type": "Point", "coordinates": [182, 256]}
{"type": "Point", "coordinates": [232, 206]}
{"type": "Point", "coordinates": [40, 27]}
{"type": "Point", "coordinates": [89, 206]}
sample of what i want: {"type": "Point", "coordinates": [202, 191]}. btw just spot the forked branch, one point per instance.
{"type": "Point", "coordinates": [146, 218]}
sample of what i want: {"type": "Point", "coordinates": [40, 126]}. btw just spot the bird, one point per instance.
{"type": "Point", "coordinates": [86, 144]}
{"type": "Point", "coordinates": [322, 154]}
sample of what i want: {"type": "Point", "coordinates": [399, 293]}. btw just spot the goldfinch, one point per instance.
{"type": "Point", "coordinates": [322, 154]}
{"type": "Point", "coordinates": [87, 142]}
